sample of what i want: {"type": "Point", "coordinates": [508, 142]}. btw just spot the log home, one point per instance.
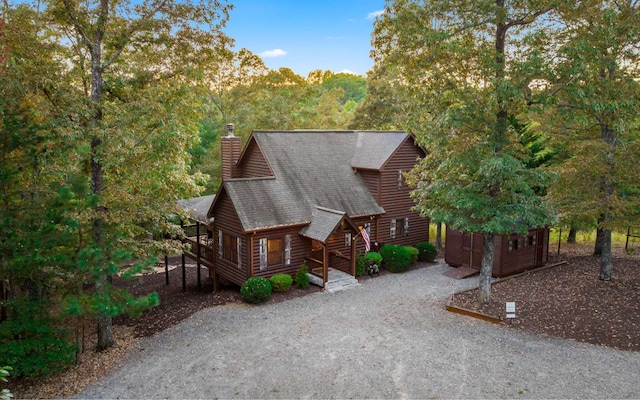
{"type": "Point", "coordinates": [290, 197]}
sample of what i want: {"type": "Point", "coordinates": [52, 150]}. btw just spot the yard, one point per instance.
{"type": "Point", "coordinates": [566, 301]}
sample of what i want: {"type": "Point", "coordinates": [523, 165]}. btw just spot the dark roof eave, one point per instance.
{"type": "Point", "coordinates": [274, 227]}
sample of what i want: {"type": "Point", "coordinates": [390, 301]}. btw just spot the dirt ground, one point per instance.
{"type": "Point", "coordinates": [569, 301]}
{"type": "Point", "coordinates": [566, 301]}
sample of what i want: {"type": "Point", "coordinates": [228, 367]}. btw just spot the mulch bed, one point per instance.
{"type": "Point", "coordinates": [570, 301]}
{"type": "Point", "coordinates": [177, 305]}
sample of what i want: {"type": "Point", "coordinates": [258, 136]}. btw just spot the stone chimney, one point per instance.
{"type": "Point", "coordinates": [230, 149]}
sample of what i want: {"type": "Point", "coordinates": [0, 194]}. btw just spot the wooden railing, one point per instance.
{"type": "Point", "coordinates": [204, 249]}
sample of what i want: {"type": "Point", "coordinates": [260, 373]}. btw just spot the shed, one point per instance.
{"type": "Point", "coordinates": [513, 253]}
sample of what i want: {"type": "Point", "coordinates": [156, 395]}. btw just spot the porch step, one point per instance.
{"type": "Point", "coordinates": [338, 281]}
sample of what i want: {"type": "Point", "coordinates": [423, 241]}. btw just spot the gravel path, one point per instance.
{"type": "Point", "coordinates": [388, 338]}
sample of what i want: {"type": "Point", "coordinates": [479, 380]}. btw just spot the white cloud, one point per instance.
{"type": "Point", "coordinates": [273, 53]}
{"type": "Point", "coordinates": [373, 15]}
{"type": "Point", "coordinates": [346, 71]}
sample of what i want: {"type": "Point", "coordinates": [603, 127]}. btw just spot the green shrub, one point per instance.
{"type": "Point", "coordinates": [360, 265]}
{"type": "Point", "coordinates": [302, 280]}
{"type": "Point", "coordinates": [33, 343]}
{"type": "Point", "coordinates": [414, 254]}
{"type": "Point", "coordinates": [427, 252]}
{"type": "Point", "coordinates": [373, 257]}
{"type": "Point", "coordinates": [256, 290]}
{"type": "Point", "coordinates": [397, 258]}
{"type": "Point", "coordinates": [386, 251]}
{"type": "Point", "coordinates": [281, 282]}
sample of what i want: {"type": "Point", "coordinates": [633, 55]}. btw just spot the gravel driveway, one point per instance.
{"type": "Point", "coordinates": [388, 338]}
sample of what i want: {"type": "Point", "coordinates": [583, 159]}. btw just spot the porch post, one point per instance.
{"type": "Point", "coordinates": [214, 260]}
{"type": "Point", "coordinates": [184, 274]}
{"type": "Point", "coordinates": [198, 254]}
{"type": "Point", "coordinates": [166, 268]}
{"type": "Point", "coordinates": [184, 268]}
{"type": "Point", "coordinates": [354, 245]}
{"type": "Point", "coordinates": [325, 265]}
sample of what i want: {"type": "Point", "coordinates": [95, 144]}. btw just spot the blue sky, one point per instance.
{"type": "Point", "coordinates": [305, 35]}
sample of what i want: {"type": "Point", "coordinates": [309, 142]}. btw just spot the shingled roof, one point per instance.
{"type": "Point", "coordinates": [323, 222]}
{"type": "Point", "coordinates": [198, 207]}
{"type": "Point", "coordinates": [311, 169]}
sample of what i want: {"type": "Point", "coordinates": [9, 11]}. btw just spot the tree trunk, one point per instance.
{"type": "Point", "coordinates": [439, 235]}
{"type": "Point", "coordinates": [572, 235]}
{"type": "Point", "coordinates": [605, 257]}
{"type": "Point", "coordinates": [600, 239]}
{"type": "Point", "coordinates": [486, 268]}
{"type": "Point", "coordinates": [105, 331]}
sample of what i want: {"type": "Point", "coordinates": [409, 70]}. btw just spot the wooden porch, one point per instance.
{"type": "Point", "coordinates": [200, 248]}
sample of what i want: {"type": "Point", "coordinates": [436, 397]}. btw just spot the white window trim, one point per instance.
{"type": "Point", "coordinates": [220, 244]}
{"type": "Point", "coordinates": [239, 249]}
{"type": "Point", "coordinates": [263, 253]}
{"type": "Point", "coordinates": [347, 239]}
{"type": "Point", "coordinates": [406, 227]}
{"type": "Point", "coordinates": [392, 230]}
{"type": "Point", "coordinates": [287, 249]}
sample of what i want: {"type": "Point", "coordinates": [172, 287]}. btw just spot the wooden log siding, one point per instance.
{"type": "Point", "coordinates": [466, 250]}
{"type": "Point", "coordinates": [396, 200]}
{"type": "Point", "coordinates": [339, 252]}
{"type": "Point", "coordinates": [372, 180]}
{"type": "Point", "coordinates": [253, 164]}
{"type": "Point", "coordinates": [300, 250]}
{"type": "Point", "coordinates": [228, 222]}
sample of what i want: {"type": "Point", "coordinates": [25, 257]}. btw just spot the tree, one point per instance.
{"type": "Point", "coordinates": [469, 66]}
{"type": "Point", "coordinates": [133, 61]}
{"type": "Point", "coordinates": [598, 101]}
{"type": "Point", "coordinates": [37, 165]}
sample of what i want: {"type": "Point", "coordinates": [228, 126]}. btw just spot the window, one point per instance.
{"type": "Point", "coordinates": [347, 239]}
{"type": "Point", "coordinates": [392, 229]}
{"type": "Point", "coordinates": [274, 251]}
{"type": "Point", "coordinates": [514, 244]}
{"type": "Point", "coordinates": [271, 252]}
{"type": "Point", "coordinates": [400, 179]}
{"type": "Point", "coordinates": [220, 244]}
{"type": "Point", "coordinates": [231, 247]}
{"type": "Point", "coordinates": [239, 252]}
{"type": "Point", "coordinates": [405, 231]}
{"type": "Point", "coordinates": [287, 249]}
{"type": "Point", "coordinates": [531, 241]}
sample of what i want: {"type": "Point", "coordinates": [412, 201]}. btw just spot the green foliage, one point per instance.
{"type": "Point", "coordinates": [256, 290]}
{"type": "Point", "coordinates": [396, 258]}
{"type": "Point", "coordinates": [353, 86]}
{"type": "Point", "coordinates": [281, 282]}
{"type": "Point", "coordinates": [373, 257]}
{"type": "Point", "coordinates": [33, 343]}
{"type": "Point", "coordinates": [414, 254]}
{"type": "Point", "coordinates": [302, 280]}
{"type": "Point", "coordinates": [360, 265]}
{"type": "Point", "coordinates": [5, 394]}
{"type": "Point", "coordinates": [426, 252]}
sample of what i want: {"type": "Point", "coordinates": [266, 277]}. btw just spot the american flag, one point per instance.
{"type": "Point", "coordinates": [365, 236]}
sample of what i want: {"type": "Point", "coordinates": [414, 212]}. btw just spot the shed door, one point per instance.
{"type": "Point", "coordinates": [472, 246]}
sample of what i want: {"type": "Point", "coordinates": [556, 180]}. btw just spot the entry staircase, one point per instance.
{"type": "Point", "coordinates": [337, 281]}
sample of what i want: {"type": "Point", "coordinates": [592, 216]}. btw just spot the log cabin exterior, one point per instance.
{"type": "Point", "coordinates": [513, 253]}
{"type": "Point", "coordinates": [290, 197]}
